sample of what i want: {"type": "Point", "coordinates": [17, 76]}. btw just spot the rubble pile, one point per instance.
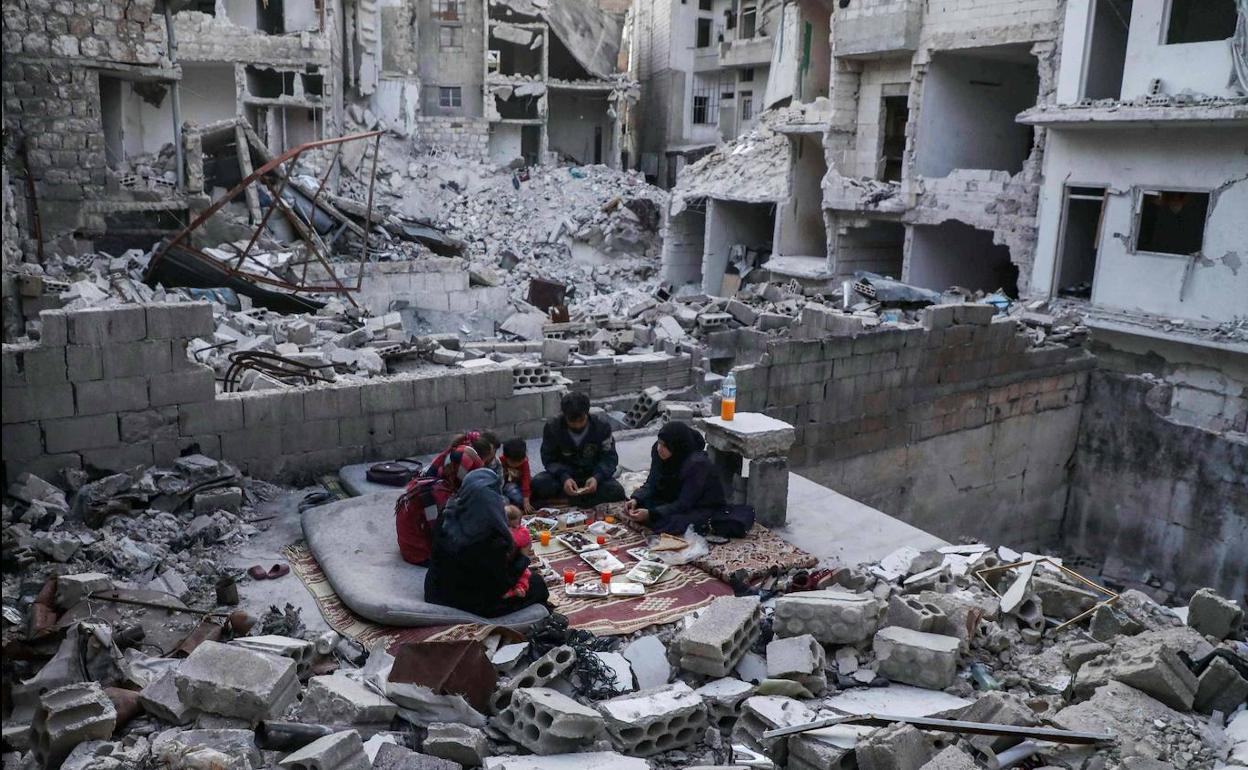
{"type": "Point", "coordinates": [135, 654]}
{"type": "Point", "coordinates": [559, 223]}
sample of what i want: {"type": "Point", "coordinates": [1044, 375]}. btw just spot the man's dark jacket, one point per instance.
{"type": "Point", "coordinates": [596, 456]}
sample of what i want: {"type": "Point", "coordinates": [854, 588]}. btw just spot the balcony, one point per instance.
{"type": "Point", "coordinates": [877, 28]}
{"type": "Point", "coordinates": [747, 52]}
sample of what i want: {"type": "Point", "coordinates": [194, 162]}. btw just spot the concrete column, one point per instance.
{"type": "Point", "coordinates": [767, 490]}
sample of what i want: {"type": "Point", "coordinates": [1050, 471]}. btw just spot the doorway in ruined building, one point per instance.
{"type": "Point", "coordinates": [1106, 56]}
{"type": "Point", "coordinates": [894, 115]}
{"type": "Point", "coordinates": [1082, 219]}
{"type": "Point", "coordinates": [739, 237]}
{"type": "Point", "coordinates": [956, 254]}
{"type": "Point", "coordinates": [802, 232]}
{"type": "Point", "coordinates": [967, 117]}
{"type": "Point", "coordinates": [684, 243]}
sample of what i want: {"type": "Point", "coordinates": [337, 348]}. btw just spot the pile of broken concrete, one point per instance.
{"type": "Point", "coordinates": [166, 673]}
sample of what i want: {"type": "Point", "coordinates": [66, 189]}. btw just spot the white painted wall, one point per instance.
{"type": "Point", "coordinates": [397, 102]}
{"type": "Point", "coordinates": [1204, 68]}
{"type": "Point", "coordinates": [208, 95]}
{"type": "Point", "coordinates": [729, 223]}
{"type": "Point", "coordinates": [1177, 158]}
{"type": "Point", "coordinates": [875, 75]}
{"type": "Point", "coordinates": [505, 143]}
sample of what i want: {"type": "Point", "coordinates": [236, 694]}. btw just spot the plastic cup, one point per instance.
{"type": "Point", "coordinates": [544, 537]}
{"type": "Point", "coordinates": [602, 540]}
{"type": "Point", "coordinates": [569, 576]}
{"type": "Point", "coordinates": [609, 519]}
{"type": "Point", "coordinates": [606, 578]}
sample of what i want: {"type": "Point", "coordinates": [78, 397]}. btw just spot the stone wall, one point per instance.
{"type": "Point", "coordinates": [960, 430]}
{"type": "Point", "coordinates": [620, 375]}
{"type": "Point", "coordinates": [112, 389]}
{"type": "Point", "coordinates": [1152, 496]}
{"type": "Point", "coordinates": [466, 137]}
{"type": "Point", "coordinates": [431, 283]}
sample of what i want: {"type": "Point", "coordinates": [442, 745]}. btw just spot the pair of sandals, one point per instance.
{"type": "Point", "coordinates": [812, 580]}
{"type": "Point", "coordinates": [273, 573]}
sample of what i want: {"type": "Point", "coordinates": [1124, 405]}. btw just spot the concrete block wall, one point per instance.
{"type": "Point", "coordinates": [631, 374]}
{"type": "Point", "coordinates": [957, 430]}
{"type": "Point", "coordinates": [462, 136]}
{"type": "Point", "coordinates": [431, 283]}
{"type": "Point", "coordinates": [112, 388]}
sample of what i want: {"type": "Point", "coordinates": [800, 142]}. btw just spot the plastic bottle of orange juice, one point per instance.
{"type": "Point", "coordinates": [728, 397]}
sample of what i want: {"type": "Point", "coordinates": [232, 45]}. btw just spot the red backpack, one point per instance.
{"type": "Point", "coordinates": [415, 515]}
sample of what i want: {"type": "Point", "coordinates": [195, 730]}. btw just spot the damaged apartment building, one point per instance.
{"type": "Point", "coordinates": [123, 119]}
{"type": "Point", "coordinates": [896, 150]}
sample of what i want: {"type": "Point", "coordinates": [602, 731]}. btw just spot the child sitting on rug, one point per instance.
{"type": "Point", "coordinates": [517, 478]}
{"type": "Point", "coordinates": [519, 532]}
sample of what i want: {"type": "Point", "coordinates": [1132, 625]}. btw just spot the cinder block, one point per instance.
{"type": "Point", "coordinates": [418, 423]}
{"type": "Point", "coordinates": [21, 441]}
{"type": "Point", "coordinates": [220, 415]}
{"type": "Point", "coordinates": [339, 751]}
{"type": "Point", "coordinates": [149, 425]}
{"type": "Point", "coordinates": [184, 387]}
{"type": "Point", "coordinates": [831, 616]}
{"type": "Point", "coordinates": [471, 415]}
{"type": "Point", "coordinates": [147, 358]}
{"type": "Point", "coordinates": [237, 682]}
{"type": "Point", "coordinates": [338, 699]}
{"type": "Point", "coordinates": [180, 320]}
{"type": "Point", "coordinates": [71, 589]}
{"type": "Point", "coordinates": [952, 758]}
{"type": "Point", "coordinates": [1220, 688]}
{"type": "Point", "coordinates": [910, 612]}
{"type": "Point", "coordinates": [813, 752]}
{"type": "Point", "coordinates": [537, 674]}
{"type": "Point", "coordinates": [546, 722]}
{"type": "Point", "coordinates": [103, 326]}
{"type": "Point", "coordinates": [251, 443]}
{"type": "Point", "coordinates": [769, 712]}
{"type": "Point", "coordinates": [126, 394]}
{"type": "Point", "coordinates": [458, 743]}
{"type": "Point", "coordinates": [799, 658]}
{"type": "Point", "coordinates": [269, 409]}
{"type": "Point", "coordinates": [73, 434]}
{"type": "Point", "coordinates": [937, 316]}
{"type": "Point", "coordinates": [917, 658]}
{"type": "Point", "coordinates": [161, 700]}
{"type": "Point", "coordinates": [386, 396]}
{"type": "Point", "coordinates": [974, 313]}
{"type": "Point", "coordinates": [84, 362]}
{"type": "Point", "coordinates": [68, 716]}
{"type": "Point", "coordinates": [119, 458]}
{"type": "Point", "coordinates": [54, 328]}
{"type": "Point", "coordinates": [1154, 668]}
{"type": "Point", "coordinates": [309, 436]}
{"type": "Point", "coordinates": [42, 366]}
{"type": "Point", "coordinates": [655, 721]}
{"type": "Point", "coordinates": [999, 708]}
{"type": "Point", "coordinates": [714, 642]}
{"type": "Point", "coordinates": [1213, 615]}
{"type": "Point", "coordinates": [325, 402]}
{"type": "Point", "coordinates": [897, 747]}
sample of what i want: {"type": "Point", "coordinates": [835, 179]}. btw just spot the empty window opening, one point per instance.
{"type": "Point", "coordinates": [738, 240]}
{"type": "Point", "coordinates": [970, 101]}
{"type": "Point", "coordinates": [895, 112]}
{"type": "Point", "coordinates": [704, 5]}
{"type": "Point", "coordinates": [1171, 221]}
{"type": "Point", "coordinates": [730, 18]}
{"type": "Point", "coordinates": [703, 35]}
{"type": "Point", "coordinates": [562, 65]}
{"type": "Point", "coordinates": [313, 84]}
{"type": "Point", "coordinates": [1082, 220]}
{"type": "Point", "coordinates": [747, 75]}
{"type": "Point", "coordinates": [447, 10]}
{"type": "Point", "coordinates": [876, 248]}
{"type": "Point", "coordinates": [956, 254]}
{"type": "Point", "coordinates": [815, 65]}
{"type": "Point", "coordinates": [269, 84]}
{"type": "Point", "coordinates": [1200, 21]}
{"type": "Point", "coordinates": [111, 118]}
{"type": "Point", "coordinates": [450, 96]}
{"type": "Point", "coordinates": [450, 36]}
{"type": "Point", "coordinates": [802, 232]}
{"type": "Point", "coordinates": [749, 22]}
{"type": "Point", "coordinates": [1107, 49]}
{"type": "Point", "coordinates": [270, 17]}
{"type": "Point", "coordinates": [519, 107]}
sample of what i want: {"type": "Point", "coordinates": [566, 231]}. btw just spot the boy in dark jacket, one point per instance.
{"type": "Point", "coordinates": [517, 478]}
{"type": "Point", "coordinates": [579, 454]}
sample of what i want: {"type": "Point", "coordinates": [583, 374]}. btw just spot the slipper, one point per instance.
{"type": "Point", "coordinates": [279, 570]}
{"type": "Point", "coordinates": [258, 573]}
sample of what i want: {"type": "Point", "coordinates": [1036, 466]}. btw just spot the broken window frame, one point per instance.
{"type": "Point", "coordinates": [747, 75]}
{"type": "Point", "coordinates": [447, 10]}
{"type": "Point", "coordinates": [1168, 32]}
{"type": "Point", "coordinates": [1140, 195]}
{"type": "Point", "coordinates": [746, 101]}
{"type": "Point", "coordinates": [450, 97]}
{"type": "Point", "coordinates": [456, 36]}
{"type": "Point", "coordinates": [1078, 191]}
{"type": "Point", "coordinates": [748, 28]}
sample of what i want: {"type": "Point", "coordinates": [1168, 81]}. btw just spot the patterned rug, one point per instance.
{"type": "Point", "coordinates": [759, 553]}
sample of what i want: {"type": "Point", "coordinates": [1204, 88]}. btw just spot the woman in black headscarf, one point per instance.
{"type": "Point", "coordinates": [683, 488]}
{"type": "Point", "coordinates": [476, 565]}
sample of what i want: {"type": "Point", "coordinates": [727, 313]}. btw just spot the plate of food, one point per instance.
{"type": "Point", "coordinates": [647, 572]}
{"type": "Point", "coordinates": [574, 519]}
{"type": "Point", "coordinates": [539, 522]}
{"type": "Point", "coordinates": [592, 589]}
{"type": "Point", "coordinates": [602, 560]}
{"type": "Point", "coordinates": [627, 588]}
{"type": "Point", "coordinates": [577, 542]}
{"type": "Point", "coordinates": [602, 528]}
{"type": "Point", "coordinates": [639, 553]}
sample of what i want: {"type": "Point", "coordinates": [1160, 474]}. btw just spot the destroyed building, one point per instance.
{"type": "Point", "coordinates": [968, 271]}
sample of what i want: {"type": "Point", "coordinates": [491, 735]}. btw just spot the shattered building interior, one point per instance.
{"type": "Point", "coordinates": [913, 334]}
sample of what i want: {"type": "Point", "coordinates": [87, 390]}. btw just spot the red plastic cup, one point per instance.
{"type": "Point", "coordinates": [569, 576]}
{"type": "Point", "coordinates": [602, 540]}
{"type": "Point", "coordinates": [606, 578]}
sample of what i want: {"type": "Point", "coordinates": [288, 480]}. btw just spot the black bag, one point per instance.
{"type": "Point", "coordinates": [733, 521]}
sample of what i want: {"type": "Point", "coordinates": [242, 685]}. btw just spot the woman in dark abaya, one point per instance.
{"type": "Point", "coordinates": [683, 487]}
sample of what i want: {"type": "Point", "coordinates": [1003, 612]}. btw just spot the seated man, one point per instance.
{"type": "Point", "coordinates": [579, 454]}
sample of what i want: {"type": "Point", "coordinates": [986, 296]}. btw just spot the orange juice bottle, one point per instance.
{"type": "Point", "coordinates": [728, 397]}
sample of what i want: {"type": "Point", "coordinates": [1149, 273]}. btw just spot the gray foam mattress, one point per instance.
{"type": "Point", "coordinates": [354, 542]}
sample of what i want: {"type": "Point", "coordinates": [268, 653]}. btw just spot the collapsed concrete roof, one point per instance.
{"type": "Point", "coordinates": [590, 34]}
{"type": "Point", "coordinates": [753, 168]}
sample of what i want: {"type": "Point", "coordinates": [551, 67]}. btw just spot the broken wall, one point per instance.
{"type": "Point", "coordinates": [579, 127]}
{"type": "Point", "coordinates": [961, 431]}
{"type": "Point", "coordinates": [112, 388]}
{"type": "Point", "coordinates": [1153, 496]}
